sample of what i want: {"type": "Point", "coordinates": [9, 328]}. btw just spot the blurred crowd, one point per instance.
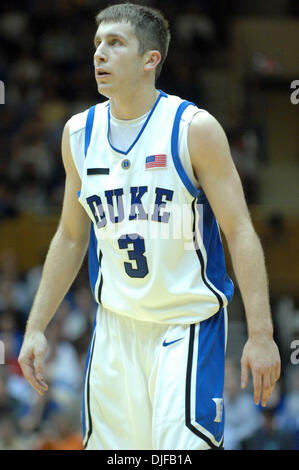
{"type": "Point", "coordinates": [251, 427]}
{"type": "Point", "coordinates": [46, 64]}
{"type": "Point", "coordinates": [52, 421]}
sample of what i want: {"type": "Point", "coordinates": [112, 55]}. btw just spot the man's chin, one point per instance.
{"type": "Point", "coordinates": [103, 90]}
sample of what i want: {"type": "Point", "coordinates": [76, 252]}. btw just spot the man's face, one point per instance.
{"type": "Point", "coordinates": [118, 66]}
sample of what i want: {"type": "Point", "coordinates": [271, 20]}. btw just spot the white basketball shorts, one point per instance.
{"type": "Point", "coordinates": [154, 386]}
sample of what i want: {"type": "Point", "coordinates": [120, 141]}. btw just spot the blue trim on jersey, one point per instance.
{"type": "Point", "coordinates": [210, 373]}
{"type": "Point", "coordinates": [88, 128]}
{"type": "Point", "coordinates": [175, 150]}
{"type": "Point", "coordinates": [83, 419]}
{"type": "Point", "coordinates": [216, 267]}
{"type": "Point", "coordinates": [93, 262]}
{"type": "Point", "coordinates": [162, 94]}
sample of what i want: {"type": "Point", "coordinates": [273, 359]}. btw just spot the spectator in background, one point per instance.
{"type": "Point", "coordinates": [13, 294]}
{"type": "Point", "coordinates": [32, 158]}
{"type": "Point", "coordinates": [273, 432]}
{"type": "Point", "coordinates": [241, 414]}
{"type": "Point", "coordinates": [64, 374]}
{"type": "Point", "coordinates": [80, 317]}
{"type": "Point", "coordinates": [13, 25]}
{"type": "Point", "coordinates": [32, 278]}
{"type": "Point", "coordinates": [244, 151]}
{"type": "Point", "coordinates": [268, 437]}
{"type": "Point", "coordinates": [31, 195]}
{"type": "Point", "coordinates": [16, 397]}
{"type": "Point", "coordinates": [60, 432]}
{"type": "Point", "coordinates": [11, 408]}
{"type": "Point", "coordinates": [8, 405]}
{"type": "Point", "coordinates": [12, 337]}
{"type": "Point", "coordinates": [64, 371]}
{"type": "Point", "coordinates": [9, 439]}
{"type": "Point", "coordinates": [195, 29]}
{"type": "Point", "coordinates": [25, 78]}
{"type": "Point", "coordinates": [7, 204]}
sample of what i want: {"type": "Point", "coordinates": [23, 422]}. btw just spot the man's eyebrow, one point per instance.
{"type": "Point", "coordinates": [109, 36]}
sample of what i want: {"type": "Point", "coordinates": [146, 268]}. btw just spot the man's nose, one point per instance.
{"type": "Point", "coordinates": [100, 54]}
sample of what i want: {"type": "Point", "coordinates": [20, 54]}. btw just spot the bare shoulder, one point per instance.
{"type": "Point", "coordinates": [67, 130]}
{"type": "Point", "coordinates": [205, 127]}
{"type": "Point", "coordinates": [207, 140]}
{"type": "Point", "coordinates": [66, 151]}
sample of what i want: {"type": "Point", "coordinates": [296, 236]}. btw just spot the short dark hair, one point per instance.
{"type": "Point", "coordinates": [150, 26]}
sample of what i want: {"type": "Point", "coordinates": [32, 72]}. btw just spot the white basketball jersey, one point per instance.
{"type": "Point", "coordinates": [155, 248]}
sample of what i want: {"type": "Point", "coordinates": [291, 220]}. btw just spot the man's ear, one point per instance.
{"type": "Point", "coordinates": [152, 59]}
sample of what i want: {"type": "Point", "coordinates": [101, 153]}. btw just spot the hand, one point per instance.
{"type": "Point", "coordinates": [261, 355]}
{"type": "Point", "coordinates": [31, 360]}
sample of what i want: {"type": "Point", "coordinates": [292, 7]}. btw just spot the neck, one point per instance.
{"type": "Point", "coordinates": [134, 105]}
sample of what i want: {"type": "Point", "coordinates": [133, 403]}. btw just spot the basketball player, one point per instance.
{"type": "Point", "coordinates": [140, 165]}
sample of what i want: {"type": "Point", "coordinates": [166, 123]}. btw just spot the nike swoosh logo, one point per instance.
{"type": "Point", "coordinates": [171, 342]}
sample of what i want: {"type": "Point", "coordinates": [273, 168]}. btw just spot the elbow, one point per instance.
{"type": "Point", "coordinates": [77, 240]}
{"type": "Point", "coordinates": [239, 232]}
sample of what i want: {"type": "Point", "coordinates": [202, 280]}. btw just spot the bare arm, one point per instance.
{"type": "Point", "coordinates": [213, 165]}
{"type": "Point", "coordinates": [64, 259]}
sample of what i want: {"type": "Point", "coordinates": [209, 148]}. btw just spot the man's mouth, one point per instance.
{"type": "Point", "coordinates": [100, 73]}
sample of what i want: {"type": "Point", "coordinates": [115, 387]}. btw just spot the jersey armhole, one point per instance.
{"type": "Point", "coordinates": [183, 144]}
{"type": "Point", "coordinates": [179, 142]}
{"type": "Point", "coordinates": [76, 133]}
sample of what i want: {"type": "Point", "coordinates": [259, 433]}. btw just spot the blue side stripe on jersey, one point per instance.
{"type": "Point", "coordinates": [201, 259]}
{"type": "Point", "coordinates": [175, 150]}
{"type": "Point", "coordinates": [88, 128]}
{"type": "Point", "coordinates": [87, 365]}
{"type": "Point", "coordinates": [189, 394]}
{"type": "Point", "coordinates": [93, 267]}
{"type": "Point", "coordinates": [161, 95]}
{"type": "Point", "coordinates": [216, 267]}
{"type": "Point", "coordinates": [93, 263]}
{"type": "Point", "coordinates": [210, 370]}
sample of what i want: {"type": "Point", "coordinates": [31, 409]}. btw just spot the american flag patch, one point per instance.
{"type": "Point", "coordinates": [155, 161]}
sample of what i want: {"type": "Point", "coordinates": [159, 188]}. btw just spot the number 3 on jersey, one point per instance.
{"type": "Point", "coordinates": [137, 254]}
